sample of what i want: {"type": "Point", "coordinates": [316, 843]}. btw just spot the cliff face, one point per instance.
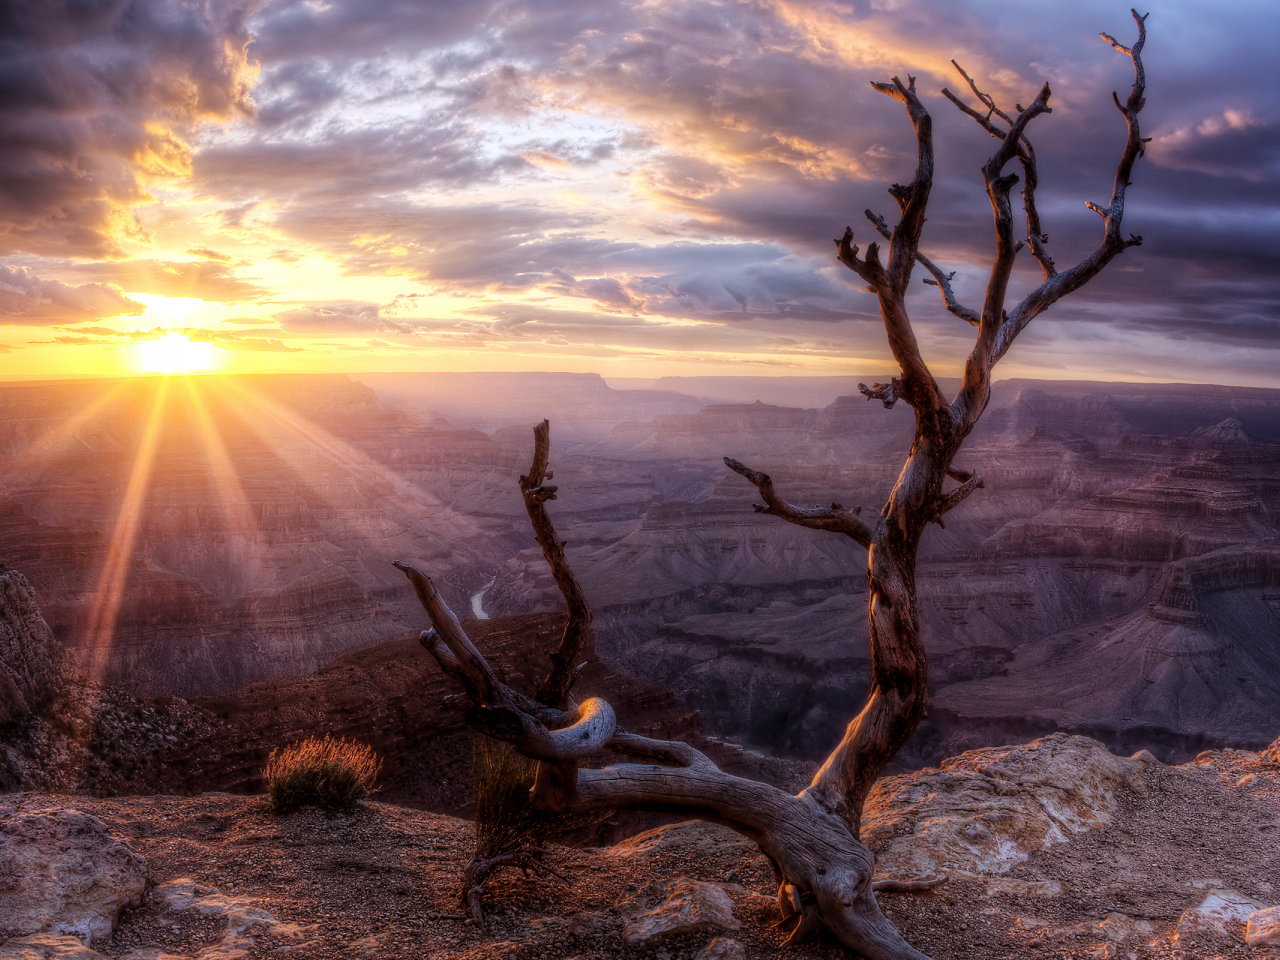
{"type": "Point", "coordinates": [1083, 529]}
{"type": "Point", "coordinates": [1198, 661]}
{"type": "Point", "coordinates": [250, 536]}
{"type": "Point", "coordinates": [26, 666]}
{"type": "Point", "coordinates": [247, 532]}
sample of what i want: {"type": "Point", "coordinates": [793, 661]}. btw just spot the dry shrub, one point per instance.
{"type": "Point", "coordinates": [326, 772]}
{"type": "Point", "coordinates": [505, 820]}
{"type": "Point", "coordinates": [510, 833]}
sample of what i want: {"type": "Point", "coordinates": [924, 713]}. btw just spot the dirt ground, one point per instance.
{"type": "Point", "coordinates": [380, 882]}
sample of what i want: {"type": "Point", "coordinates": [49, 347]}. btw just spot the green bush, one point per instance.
{"type": "Point", "coordinates": [328, 773]}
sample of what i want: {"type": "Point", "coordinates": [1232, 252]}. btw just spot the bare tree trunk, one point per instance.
{"type": "Point", "coordinates": [824, 873]}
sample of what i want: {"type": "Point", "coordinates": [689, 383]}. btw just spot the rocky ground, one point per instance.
{"type": "Point", "coordinates": [1054, 850]}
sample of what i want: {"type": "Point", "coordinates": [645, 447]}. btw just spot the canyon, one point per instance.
{"type": "Point", "coordinates": [1119, 574]}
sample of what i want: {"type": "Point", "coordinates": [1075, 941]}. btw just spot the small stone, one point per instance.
{"type": "Point", "coordinates": [722, 948]}
{"type": "Point", "coordinates": [589, 924]}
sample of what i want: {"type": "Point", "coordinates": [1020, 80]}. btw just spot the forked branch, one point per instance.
{"type": "Point", "coordinates": [957, 496]}
{"type": "Point", "coordinates": [554, 691]}
{"type": "Point", "coordinates": [819, 862]}
{"type": "Point", "coordinates": [940, 280]}
{"type": "Point", "coordinates": [836, 518]}
{"type": "Point", "coordinates": [1057, 286]}
{"type": "Point", "coordinates": [889, 282]}
{"type": "Point", "coordinates": [815, 854]}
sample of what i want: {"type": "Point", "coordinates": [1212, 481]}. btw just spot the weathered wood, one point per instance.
{"type": "Point", "coordinates": [898, 698]}
{"type": "Point", "coordinates": [835, 519]}
{"type": "Point", "coordinates": [529, 860]}
{"type": "Point", "coordinates": [576, 639]}
{"type": "Point", "coordinates": [815, 851]}
{"type": "Point", "coordinates": [823, 873]}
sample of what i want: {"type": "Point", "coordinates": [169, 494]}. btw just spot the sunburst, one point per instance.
{"type": "Point", "coordinates": [173, 353]}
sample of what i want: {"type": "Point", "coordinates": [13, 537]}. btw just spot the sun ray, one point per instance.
{"type": "Point", "coordinates": [231, 493]}
{"type": "Point", "coordinates": [109, 593]}
{"type": "Point", "coordinates": [339, 452]}
{"type": "Point", "coordinates": [53, 441]}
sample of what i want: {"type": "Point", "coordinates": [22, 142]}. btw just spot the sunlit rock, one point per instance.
{"type": "Point", "coordinates": [986, 810]}
{"type": "Point", "coordinates": [61, 872]}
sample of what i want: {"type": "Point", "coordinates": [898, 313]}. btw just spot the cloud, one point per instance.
{"type": "Point", "coordinates": [341, 164]}
{"type": "Point", "coordinates": [1231, 143]}
{"type": "Point", "coordinates": [208, 254]}
{"type": "Point", "coordinates": [644, 178]}
{"type": "Point", "coordinates": [96, 100]}
{"type": "Point", "coordinates": [342, 318]}
{"type": "Point", "coordinates": [232, 341]}
{"type": "Point", "coordinates": [202, 279]}
{"type": "Point", "coordinates": [28, 300]}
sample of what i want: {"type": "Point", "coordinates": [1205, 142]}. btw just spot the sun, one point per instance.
{"type": "Point", "coordinates": [174, 353]}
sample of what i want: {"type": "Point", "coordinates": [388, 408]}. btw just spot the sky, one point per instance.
{"type": "Point", "coordinates": [633, 189]}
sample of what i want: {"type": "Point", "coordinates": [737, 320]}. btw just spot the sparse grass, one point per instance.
{"type": "Point", "coordinates": [330, 773]}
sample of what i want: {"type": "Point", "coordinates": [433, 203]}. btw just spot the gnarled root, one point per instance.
{"type": "Point", "coordinates": [529, 860]}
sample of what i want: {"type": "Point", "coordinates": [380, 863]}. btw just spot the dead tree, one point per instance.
{"type": "Point", "coordinates": [824, 874]}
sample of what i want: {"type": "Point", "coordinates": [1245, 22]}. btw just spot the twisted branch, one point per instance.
{"type": "Point", "coordinates": [888, 393]}
{"type": "Point", "coordinates": [835, 519]}
{"type": "Point", "coordinates": [957, 496]}
{"type": "Point", "coordinates": [889, 282]}
{"type": "Point", "coordinates": [1058, 285]}
{"type": "Point", "coordinates": [940, 280]}
{"type": "Point", "coordinates": [554, 690]}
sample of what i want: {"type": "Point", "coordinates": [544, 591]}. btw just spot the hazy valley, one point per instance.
{"type": "Point", "coordinates": [1119, 574]}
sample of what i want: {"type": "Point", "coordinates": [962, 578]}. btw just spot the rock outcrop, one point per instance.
{"type": "Point", "coordinates": [985, 811]}
{"type": "Point", "coordinates": [27, 675]}
{"type": "Point", "coordinates": [62, 873]}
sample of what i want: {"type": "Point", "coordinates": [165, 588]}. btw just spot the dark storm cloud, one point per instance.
{"type": "Point", "coordinates": [203, 279]}
{"type": "Point", "coordinates": [95, 97]}
{"type": "Point", "coordinates": [27, 299]}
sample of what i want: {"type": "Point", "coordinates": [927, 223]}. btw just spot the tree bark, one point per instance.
{"type": "Point", "coordinates": [823, 872]}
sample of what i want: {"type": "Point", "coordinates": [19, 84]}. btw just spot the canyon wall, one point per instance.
{"type": "Point", "coordinates": [1115, 575]}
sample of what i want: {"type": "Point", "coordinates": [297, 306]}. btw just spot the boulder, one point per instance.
{"type": "Point", "coordinates": [1263, 928]}
{"type": "Point", "coordinates": [61, 872]}
{"type": "Point", "coordinates": [1221, 911]}
{"type": "Point", "coordinates": [690, 906]}
{"type": "Point", "coordinates": [986, 810]}
{"type": "Point", "coordinates": [26, 664]}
